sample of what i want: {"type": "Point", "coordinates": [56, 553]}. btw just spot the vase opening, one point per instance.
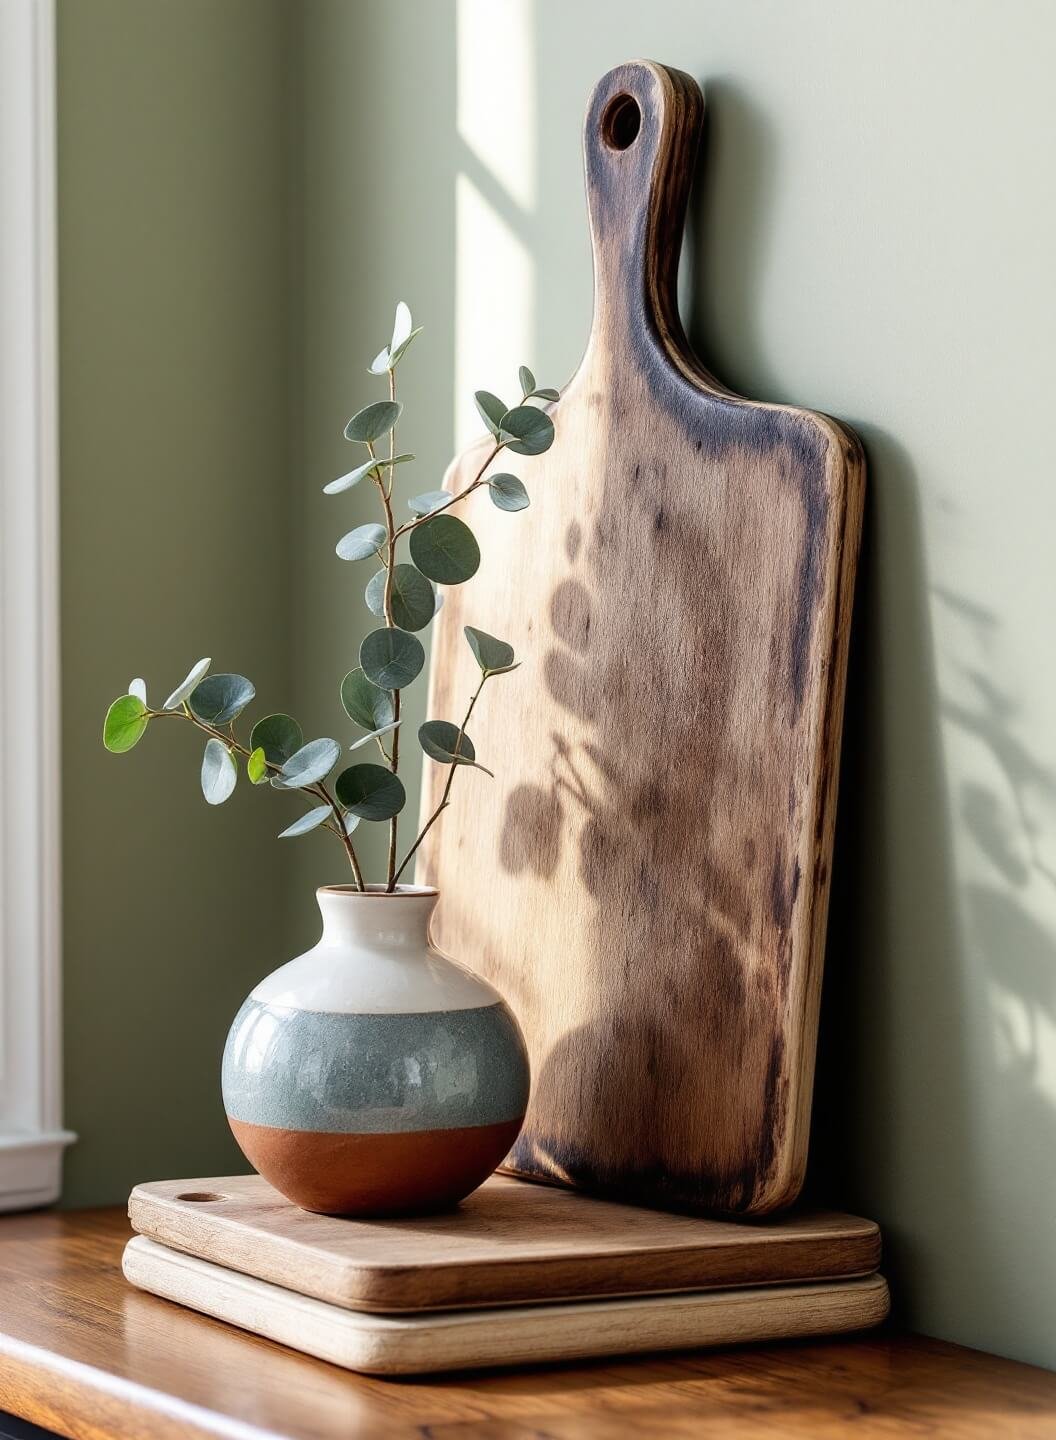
{"type": "Point", "coordinates": [401, 892]}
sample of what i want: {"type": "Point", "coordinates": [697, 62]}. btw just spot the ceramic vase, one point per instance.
{"type": "Point", "coordinates": [373, 1075]}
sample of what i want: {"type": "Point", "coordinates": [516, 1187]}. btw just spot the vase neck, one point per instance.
{"type": "Point", "coordinates": [373, 918]}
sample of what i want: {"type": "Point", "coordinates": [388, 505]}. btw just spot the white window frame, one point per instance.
{"type": "Point", "coordinates": [32, 1139]}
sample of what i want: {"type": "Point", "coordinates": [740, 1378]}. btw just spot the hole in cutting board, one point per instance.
{"type": "Point", "coordinates": [621, 122]}
{"type": "Point", "coordinates": [200, 1197]}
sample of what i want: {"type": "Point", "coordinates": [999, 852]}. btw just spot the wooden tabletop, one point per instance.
{"type": "Point", "coordinates": [83, 1354]}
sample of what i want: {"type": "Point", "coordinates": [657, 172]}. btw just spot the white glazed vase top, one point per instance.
{"type": "Point", "coordinates": [373, 1075]}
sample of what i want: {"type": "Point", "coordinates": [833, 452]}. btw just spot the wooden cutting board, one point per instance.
{"type": "Point", "coordinates": [647, 879]}
{"type": "Point", "coordinates": [508, 1243]}
{"type": "Point", "coordinates": [471, 1339]}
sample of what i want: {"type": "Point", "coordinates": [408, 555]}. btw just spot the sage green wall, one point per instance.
{"type": "Point", "coordinates": [874, 235]}
{"type": "Point", "coordinates": [174, 435]}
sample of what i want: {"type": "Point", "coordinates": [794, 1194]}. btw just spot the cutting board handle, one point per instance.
{"type": "Point", "coordinates": [640, 140]}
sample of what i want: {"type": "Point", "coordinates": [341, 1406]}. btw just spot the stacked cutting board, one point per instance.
{"type": "Point", "coordinates": [519, 1273]}
{"type": "Point", "coordinates": [657, 848]}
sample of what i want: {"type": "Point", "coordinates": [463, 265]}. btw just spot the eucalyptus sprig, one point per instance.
{"type": "Point", "coordinates": [402, 594]}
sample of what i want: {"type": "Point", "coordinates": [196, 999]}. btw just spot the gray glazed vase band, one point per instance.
{"type": "Point", "coordinates": [375, 1073]}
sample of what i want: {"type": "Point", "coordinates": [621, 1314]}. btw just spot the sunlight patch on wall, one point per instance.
{"type": "Point", "coordinates": [494, 265]}
{"type": "Point", "coordinates": [496, 91]}
{"type": "Point", "coordinates": [494, 306]}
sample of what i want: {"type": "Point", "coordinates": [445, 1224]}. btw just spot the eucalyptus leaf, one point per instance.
{"type": "Point", "coordinates": [493, 656]}
{"type": "Point", "coordinates": [491, 409]}
{"type": "Point", "coordinates": [219, 698]}
{"type": "Point", "coordinates": [527, 379]}
{"type": "Point", "coordinates": [507, 492]}
{"type": "Point", "coordinates": [358, 544]}
{"type": "Point", "coordinates": [312, 763]}
{"type": "Point", "coordinates": [371, 791]}
{"type": "Point", "coordinates": [182, 691]}
{"type": "Point", "coordinates": [349, 821]}
{"type": "Point", "coordinates": [279, 736]}
{"type": "Point", "coordinates": [138, 688]}
{"type": "Point", "coordinates": [413, 598]}
{"type": "Point", "coordinates": [445, 550]}
{"type": "Point", "coordinates": [345, 482]}
{"type": "Point", "coordinates": [373, 420]}
{"type": "Point", "coordinates": [544, 393]}
{"type": "Point", "coordinates": [375, 734]}
{"type": "Point", "coordinates": [257, 766]}
{"type": "Point", "coordinates": [526, 430]}
{"type": "Point", "coordinates": [310, 820]}
{"type": "Point", "coordinates": [219, 772]}
{"type": "Point", "coordinates": [430, 501]}
{"type": "Point", "coordinates": [398, 351]}
{"type": "Point", "coordinates": [380, 364]}
{"type": "Point", "coordinates": [391, 658]}
{"type": "Point", "coordinates": [440, 741]}
{"type": "Point", "coordinates": [365, 702]}
{"type": "Point", "coordinates": [125, 723]}
{"type": "Point", "coordinates": [401, 325]}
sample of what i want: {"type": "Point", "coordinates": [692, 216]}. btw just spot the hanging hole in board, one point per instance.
{"type": "Point", "coordinates": [621, 122]}
{"type": "Point", "coordinates": [201, 1197]}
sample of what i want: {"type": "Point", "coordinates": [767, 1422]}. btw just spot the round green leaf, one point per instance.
{"type": "Point", "coordinates": [438, 738]}
{"type": "Point", "coordinates": [308, 821]}
{"type": "Point", "coordinates": [124, 724]}
{"type": "Point", "coordinates": [257, 766]}
{"type": "Point", "coordinates": [546, 393]}
{"type": "Point", "coordinates": [365, 703]}
{"type": "Point", "coordinates": [491, 408]}
{"type": "Point", "coordinates": [391, 658]}
{"type": "Point", "coordinates": [311, 763]}
{"type": "Point", "coordinates": [219, 698]}
{"type": "Point", "coordinates": [364, 540]}
{"type": "Point", "coordinates": [430, 501]}
{"type": "Point", "coordinates": [493, 656]}
{"type": "Point", "coordinates": [527, 379]}
{"type": "Point", "coordinates": [507, 492]}
{"type": "Point", "coordinates": [180, 694]}
{"type": "Point", "coordinates": [444, 549]}
{"type": "Point", "coordinates": [372, 421]}
{"type": "Point", "coordinates": [371, 792]}
{"type": "Point", "coordinates": [279, 736]}
{"type": "Point", "coordinates": [531, 431]}
{"type": "Point", "coordinates": [219, 771]}
{"type": "Point", "coordinates": [413, 598]}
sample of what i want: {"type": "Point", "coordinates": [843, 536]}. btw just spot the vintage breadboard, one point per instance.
{"type": "Point", "coordinates": [647, 879]}
{"type": "Point", "coordinates": [518, 1335]}
{"type": "Point", "coordinates": [509, 1243]}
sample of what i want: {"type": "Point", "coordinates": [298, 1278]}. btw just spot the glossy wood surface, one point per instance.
{"type": "Point", "coordinates": [84, 1354]}
{"type": "Point", "coordinates": [647, 878]}
{"type": "Point", "coordinates": [508, 1242]}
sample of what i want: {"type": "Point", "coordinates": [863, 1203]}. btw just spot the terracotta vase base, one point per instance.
{"type": "Point", "coordinates": [413, 1172]}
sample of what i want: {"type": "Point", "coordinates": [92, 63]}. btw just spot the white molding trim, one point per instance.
{"type": "Point", "coordinates": [31, 1135]}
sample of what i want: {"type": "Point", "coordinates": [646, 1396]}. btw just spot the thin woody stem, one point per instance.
{"type": "Point", "coordinates": [227, 738]}
{"type": "Point", "coordinates": [447, 787]}
{"type": "Point", "coordinates": [474, 484]}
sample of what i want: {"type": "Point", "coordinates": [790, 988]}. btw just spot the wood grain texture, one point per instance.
{"type": "Point", "coordinates": [86, 1355]}
{"type": "Point", "coordinates": [657, 844]}
{"type": "Point", "coordinates": [512, 1335]}
{"type": "Point", "coordinates": [508, 1243]}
